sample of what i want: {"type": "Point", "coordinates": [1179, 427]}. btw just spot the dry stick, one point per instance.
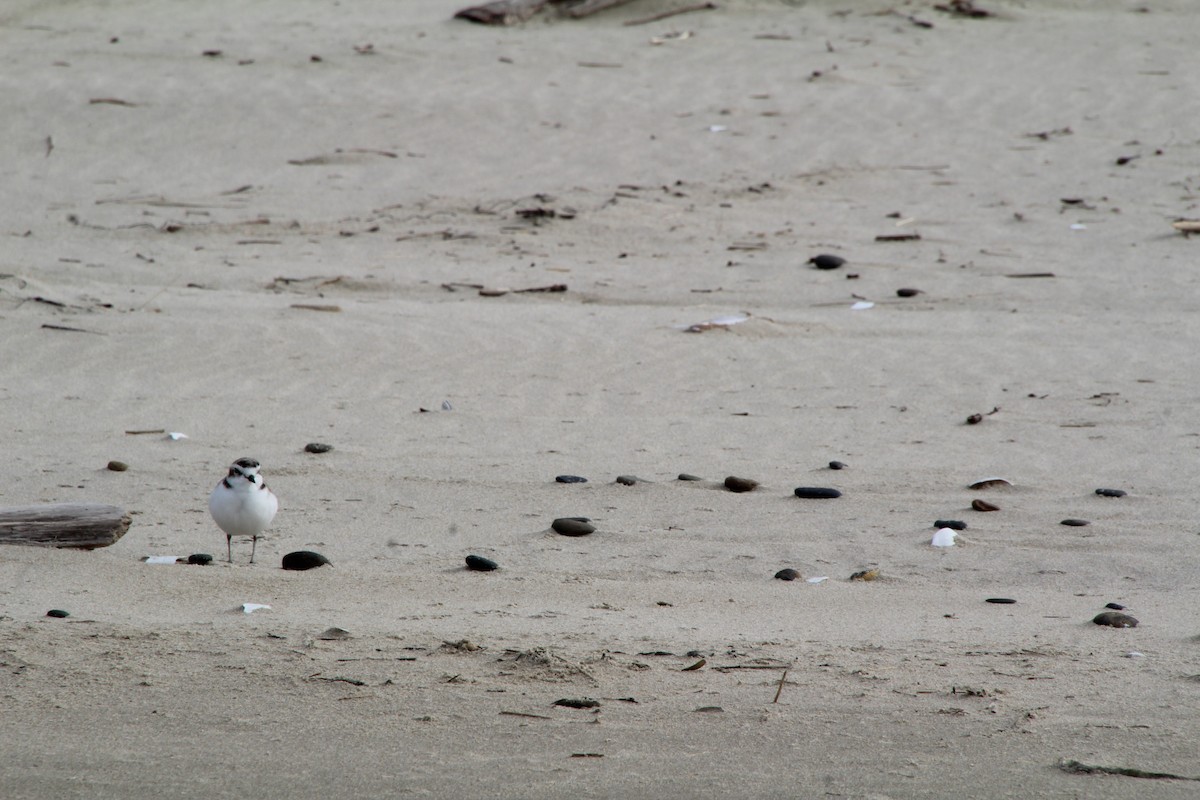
{"type": "Point", "coordinates": [554, 287]}
{"type": "Point", "coordinates": [589, 7]}
{"type": "Point", "coordinates": [672, 13]}
{"type": "Point", "coordinates": [779, 691]}
{"type": "Point", "coordinates": [523, 714]}
{"type": "Point", "coordinates": [1070, 765]}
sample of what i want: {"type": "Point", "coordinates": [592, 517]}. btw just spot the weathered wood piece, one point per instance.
{"type": "Point", "coordinates": [672, 13]}
{"type": "Point", "coordinates": [79, 525]}
{"type": "Point", "coordinates": [589, 7]}
{"type": "Point", "coordinates": [502, 12]}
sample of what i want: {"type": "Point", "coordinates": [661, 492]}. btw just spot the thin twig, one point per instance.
{"type": "Point", "coordinates": [523, 714]}
{"type": "Point", "coordinates": [672, 13]}
{"type": "Point", "coordinates": [779, 691]}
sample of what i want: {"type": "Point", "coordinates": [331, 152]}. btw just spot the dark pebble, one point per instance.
{"type": "Point", "coordinates": [952, 524]}
{"type": "Point", "coordinates": [975, 419]}
{"type": "Point", "coordinates": [627, 480]}
{"type": "Point", "coordinates": [836, 465]}
{"type": "Point", "coordinates": [577, 702]}
{"type": "Point", "coordinates": [984, 505]}
{"type": "Point", "coordinates": [740, 484]}
{"type": "Point", "coordinates": [570, 479]}
{"type": "Point", "coordinates": [304, 559]}
{"type": "Point", "coordinates": [1115, 606]}
{"type": "Point", "coordinates": [481, 564]}
{"type": "Point", "coordinates": [58, 613]}
{"type": "Point", "coordinates": [788, 574]}
{"type": "Point", "coordinates": [1111, 492]}
{"type": "Point", "coordinates": [817, 492]}
{"type": "Point", "coordinates": [1075, 523]}
{"type": "Point", "coordinates": [200, 559]}
{"type": "Point", "coordinates": [317, 447]}
{"type": "Point", "coordinates": [826, 261]}
{"type": "Point", "coordinates": [1114, 619]}
{"type": "Point", "coordinates": [572, 526]}
{"type": "Point", "coordinates": [118, 466]}
{"type": "Point", "coordinates": [1004, 601]}
{"type": "Point", "coordinates": [683, 476]}
{"type": "Point", "coordinates": [908, 292]}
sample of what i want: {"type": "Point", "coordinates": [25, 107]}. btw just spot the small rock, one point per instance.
{"type": "Point", "coordinates": [573, 526]}
{"type": "Point", "coordinates": [58, 613]}
{"type": "Point", "coordinates": [1004, 601]}
{"type": "Point", "coordinates": [836, 465]}
{"type": "Point", "coordinates": [952, 524]}
{"type": "Point", "coordinates": [304, 559]}
{"type": "Point", "coordinates": [740, 484]}
{"type": "Point", "coordinates": [118, 466]}
{"type": "Point", "coordinates": [975, 419]}
{"type": "Point", "coordinates": [984, 505]}
{"type": "Point", "coordinates": [684, 476]}
{"type": "Point", "coordinates": [826, 261]}
{"type": "Point", "coordinates": [627, 480]}
{"type": "Point", "coordinates": [908, 292]}
{"type": "Point", "coordinates": [1075, 523]}
{"type": "Point", "coordinates": [787, 574]}
{"type": "Point", "coordinates": [481, 564]}
{"type": "Point", "coordinates": [577, 702]}
{"type": "Point", "coordinates": [570, 479]}
{"type": "Point", "coordinates": [817, 492]}
{"type": "Point", "coordinates": [317, 447]}
{"type": "Point", "coordinates": [200, 559]}
{"type": "Point", "coordinates": [1115, 606]}
{"type": "Point", "coordinates": [1115, 619]}
{"type": "Point", "coordinates": [866, 575]}
{"type": "Point", "coordinates": [1111, 492]}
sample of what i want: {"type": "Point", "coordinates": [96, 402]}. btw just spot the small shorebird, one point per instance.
{"type": "Point", "coordinates": [242, 505]}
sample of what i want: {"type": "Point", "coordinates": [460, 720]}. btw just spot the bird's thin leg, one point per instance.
{"type": "Point", "coordinates": [229, 547]}
{"type": "Point", "coordinates": [253, 547]}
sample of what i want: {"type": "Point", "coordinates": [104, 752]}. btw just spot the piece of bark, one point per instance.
{"type": "Point", "coordinates": [78, 525]}
{"type": "Point", "coordinates": [502, 12]}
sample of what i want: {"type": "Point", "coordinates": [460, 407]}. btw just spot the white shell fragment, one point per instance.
{"type": "Point", "coordinates": [716, 322]}
{"type": "Point", "coordinates": [717, 128]}
{"type": "Point", "coordinates": [175, 436]}
{"type": "Point", "coordinates": [250, 608]}
{"type": "Point", "coordinates": [821, 579]}
{"type": "Point", "coordinates": [1135, 654]}
{"type": "Point", "coordinates": [944, 537]}
{"type": "Point", "coordinates": [862, 305]}
{"type": "Point", "coordinates": [673, 36]}
{"type": "Point", "coordinates": [992, 480]}
{"type": "Point", "coordinates": [162, 559]}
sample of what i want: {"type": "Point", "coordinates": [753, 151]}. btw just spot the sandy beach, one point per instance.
{"type": "Point", "coordinates": [265, 225]}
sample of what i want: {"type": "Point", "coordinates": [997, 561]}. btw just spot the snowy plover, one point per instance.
{"type": "Point", "coordinates": [242, 505]}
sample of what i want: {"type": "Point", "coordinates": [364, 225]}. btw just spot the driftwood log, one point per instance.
{"type": "Point", "coordinates": [511, 12]}
{"type": "Point", "coordinates": [79, 525]}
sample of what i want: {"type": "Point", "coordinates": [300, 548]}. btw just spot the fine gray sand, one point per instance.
{"type": "Point", "coordinates": [260, 249]}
